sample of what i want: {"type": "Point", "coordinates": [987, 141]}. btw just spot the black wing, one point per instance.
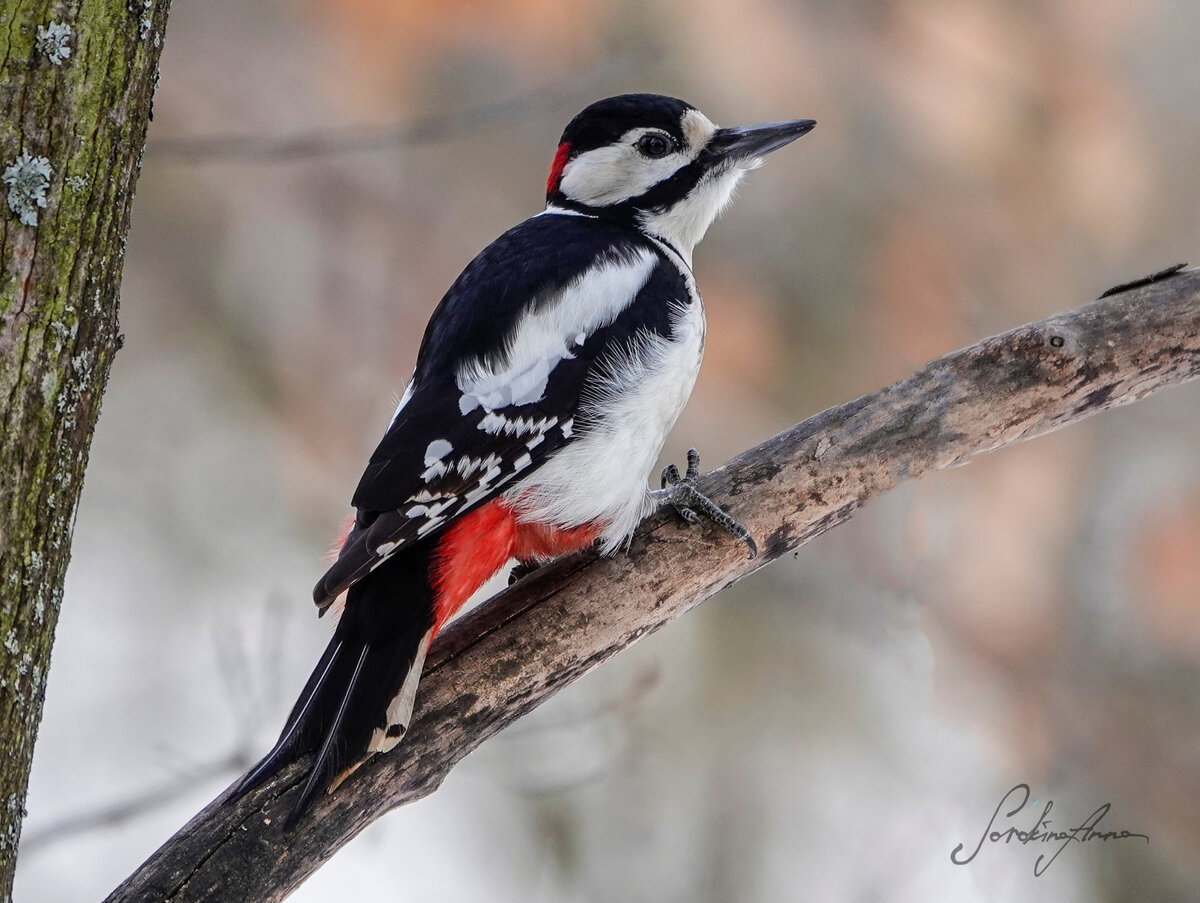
{"type": "Point", "coordinates": [448, 451]}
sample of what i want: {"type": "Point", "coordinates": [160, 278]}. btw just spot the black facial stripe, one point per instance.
{"type": "Point", "coordinates": [671, 189]}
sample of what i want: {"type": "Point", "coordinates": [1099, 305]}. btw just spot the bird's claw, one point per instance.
{"type": "Point", "coordinates": [521, 570]}
{"type": "Point", "coordinates": [682, 495]}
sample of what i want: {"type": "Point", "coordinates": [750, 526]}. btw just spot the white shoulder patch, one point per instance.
{"type": "Point", "coordinates": [543, 338]}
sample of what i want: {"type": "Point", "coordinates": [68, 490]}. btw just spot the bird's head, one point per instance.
{"type": "Point", "coordinates": [657, 163]}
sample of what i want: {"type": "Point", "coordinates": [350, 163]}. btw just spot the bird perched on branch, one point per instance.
{"type": "Point", "coordinates": [545, 385]}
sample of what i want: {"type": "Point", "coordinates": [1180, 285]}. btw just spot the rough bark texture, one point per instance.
{"type": "Point", "coordinates": [509, 655]}
{"type": "Point", "coordinates": [76, 80]}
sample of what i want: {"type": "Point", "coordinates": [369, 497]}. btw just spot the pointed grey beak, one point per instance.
{"type": "Point", "coordinates": [753, 141]}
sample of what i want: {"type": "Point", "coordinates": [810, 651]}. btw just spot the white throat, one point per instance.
{"type": "Point", "coordinates": [684, 224]}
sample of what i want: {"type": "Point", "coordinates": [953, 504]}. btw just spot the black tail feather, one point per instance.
{"type": "Point", "coordinates": [328, 758]}
{"type": "Point", "coordinates": [346, 698]}
{"type": "Point", "coordinates": [285, 751]}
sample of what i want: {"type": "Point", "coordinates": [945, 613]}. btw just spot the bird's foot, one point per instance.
{"type": "Point", "coordinates": [521, 570]}
{"type": "Point", "coordinates": [681, 493]}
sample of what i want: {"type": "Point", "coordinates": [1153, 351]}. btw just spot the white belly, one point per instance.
{"type": "Point", "coordinates": [602, 476]}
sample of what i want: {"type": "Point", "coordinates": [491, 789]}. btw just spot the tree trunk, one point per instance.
{"type": "Point", "coordinates": [76, 82]}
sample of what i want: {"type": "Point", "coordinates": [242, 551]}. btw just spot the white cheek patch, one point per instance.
{"type": "Point", "coordinates": [618, 172]}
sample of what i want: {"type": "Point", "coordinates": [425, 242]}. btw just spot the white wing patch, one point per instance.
{"type": "Point", "coordinates": [437, 450]}
{"type": "Point", "coordinates": [431, 511]}
{"type": "Point", "coordinates": [432, 504]}
{"type": "Point", "coordinates": [497, 424]}
{"type": "Point", "coordinates": [542, 338]}
{"type": "Point", "coordinates": [489, 467]}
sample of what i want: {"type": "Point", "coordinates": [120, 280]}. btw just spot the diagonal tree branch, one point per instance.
{"type": "Point", "coordinates": [508, 656]}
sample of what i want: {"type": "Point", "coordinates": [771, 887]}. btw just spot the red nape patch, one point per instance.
{"type": "Point", "coordinates": [556, 168]}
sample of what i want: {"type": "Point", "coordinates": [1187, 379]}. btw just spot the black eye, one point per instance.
{"type": "Point", "coordinates": [653, 145]}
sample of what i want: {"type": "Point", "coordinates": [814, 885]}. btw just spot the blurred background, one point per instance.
{"type": "Point", "coordinates": [317, 174]}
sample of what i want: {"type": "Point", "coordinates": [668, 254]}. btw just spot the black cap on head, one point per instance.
{"type": "Point", "coordinates": [607, 120]}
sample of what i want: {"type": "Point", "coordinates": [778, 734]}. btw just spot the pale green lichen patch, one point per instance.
{"type": "Point", "coordinates": [146, 23]}
{"type": "Point", "coordinates": [14, 811]}
{"type": "Point", "coordinates": [49, 385]}
{"type": "Point", "coordinates": [53, 40]}
{"type": "Point", "coordinates": [27, 180]}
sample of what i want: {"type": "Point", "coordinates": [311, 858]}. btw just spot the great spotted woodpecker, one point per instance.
{"type": "Point", "coordinates": [545, 385]}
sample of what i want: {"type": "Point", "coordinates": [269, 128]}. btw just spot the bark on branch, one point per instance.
{"type": "Point", "coordinates": [509, 655]}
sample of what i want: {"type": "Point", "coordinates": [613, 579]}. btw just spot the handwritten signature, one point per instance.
{"type": "Point", "coordinates": [1088, 830]}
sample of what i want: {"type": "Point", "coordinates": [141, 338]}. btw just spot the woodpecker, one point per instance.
{"type": "Point", "coordinates": [545, 385]}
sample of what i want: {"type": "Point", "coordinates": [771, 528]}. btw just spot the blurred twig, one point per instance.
{"type": "Point", "coordinates": [510, 654]}
{"type": "Point", "coordinates": [138, 804]}
{"type": "Point", "coordinates": [326, 142]}
{"type": "Point", "coordinates": [251, 685]}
